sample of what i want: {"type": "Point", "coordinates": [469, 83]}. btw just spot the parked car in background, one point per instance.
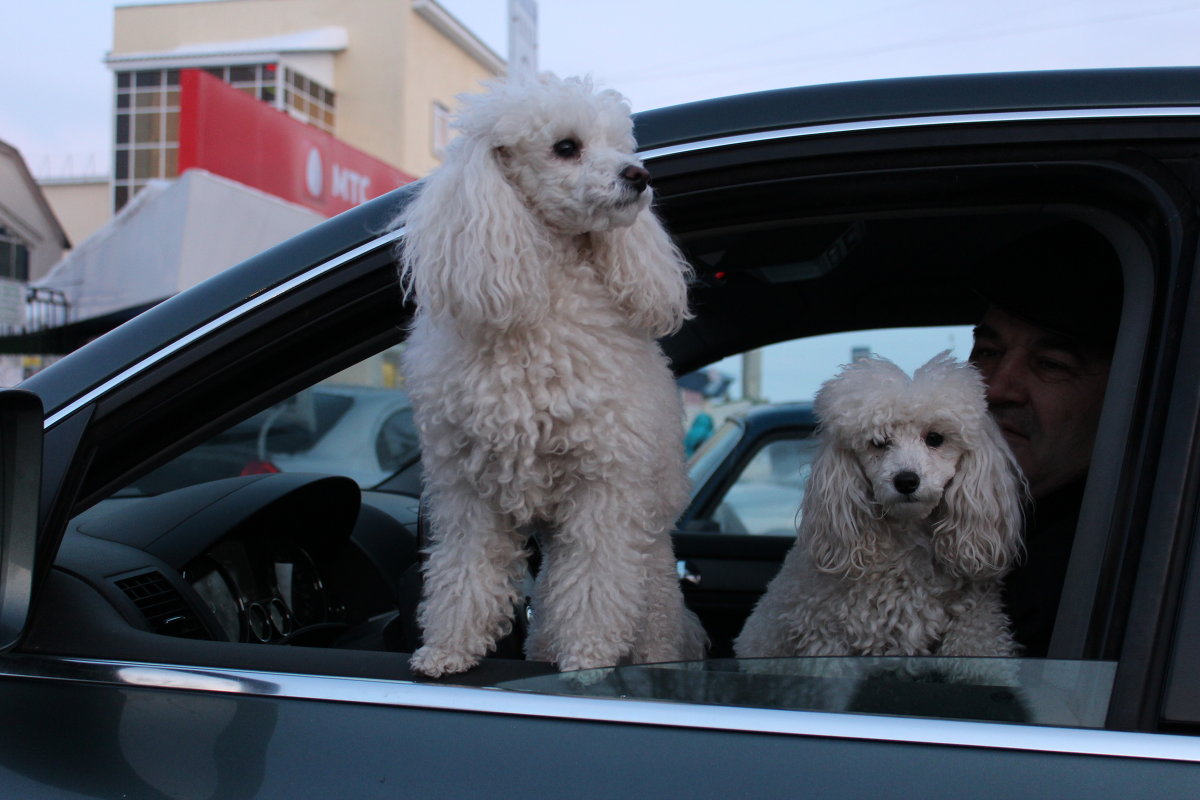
{"type": "Point", "coordinates": [749, 476]}
{"type": "Point", "coordinates": [243, 637]}
{"type": "Point", "coordinates": [362, 432]}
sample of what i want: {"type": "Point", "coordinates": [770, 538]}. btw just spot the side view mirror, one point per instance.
{"type": "Point", "coordinates": [21, 418]}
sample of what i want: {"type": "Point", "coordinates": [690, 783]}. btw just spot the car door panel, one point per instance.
{"type": "Point", "coordinates": [144, 742]}
{"type": "Point", "coordinates": [723, 575]}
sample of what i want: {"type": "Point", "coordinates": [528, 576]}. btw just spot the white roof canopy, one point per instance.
{"type": "Point", "coordinates": [171, 236]}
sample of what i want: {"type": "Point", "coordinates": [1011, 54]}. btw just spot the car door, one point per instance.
{"type": "Point", "coordinates": [748, 483]}
{"type": "Point", "coordinates": [1102, 168]}
{"type": "Point", "coordinates": [797, 227]}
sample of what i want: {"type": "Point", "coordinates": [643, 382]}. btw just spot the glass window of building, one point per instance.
{"type": "Point", "coordinates": [146, 129]}
{"type": "Point", "coordinates": [442, 131]}
{"type": "Point", "coordinates": [308, 100]}
{"type": "Point", "coordinates": [14, 257]}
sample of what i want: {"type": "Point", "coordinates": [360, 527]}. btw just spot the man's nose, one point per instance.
{"type": "Point", "coordinates": [1007, 380]}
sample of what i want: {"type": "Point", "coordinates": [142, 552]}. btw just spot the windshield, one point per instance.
{"type": "Point", "coordinates": [713, 452]}
{"type": "Point", "coordinates": [366, 433]}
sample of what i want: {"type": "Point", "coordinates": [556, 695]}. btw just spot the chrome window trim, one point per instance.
{"type": "Point", "coordinates": [912, 730]}
{"type": "Point", "coordinates": [917, 122]}
{"type": "Point", "coordinates": [229, 316]}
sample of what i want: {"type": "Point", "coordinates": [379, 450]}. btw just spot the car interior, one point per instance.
{"type": "Point", "coordinates": [303, 572]}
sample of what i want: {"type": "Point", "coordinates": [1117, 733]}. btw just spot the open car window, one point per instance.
{"type": "Point", "coordinates": [352, 425]}
{"type": "Point", "coordinates": [786, 280]}
{"type": "Point", "coordinates": [748, 475]}
{"type": "Point", "coordinates": [1030, 691]}
{"type": "Point", "coordinates": [358, 423]}
{"type": "Point", "coordinates": [766, 493]}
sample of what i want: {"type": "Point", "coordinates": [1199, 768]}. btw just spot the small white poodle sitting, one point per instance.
{"type": "Point", "coordinates": [542, 280]}
{"type": "Point", "coordinates": [910, 517]}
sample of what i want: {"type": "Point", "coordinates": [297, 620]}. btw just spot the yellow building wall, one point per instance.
{"type": "Point", "coordinates": [436, 71]}
{"type": "Point", "coordinates": [82, 207]}
{"type": "Point", "coordinates": [394, 66]}
{"type": "Point", "coordinates": [155, 28]}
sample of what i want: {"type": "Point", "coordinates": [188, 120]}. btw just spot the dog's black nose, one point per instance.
{"type": "Point", "coordinates": [906, 482]}
{"type": "Point", "coordinates": [636, 176]}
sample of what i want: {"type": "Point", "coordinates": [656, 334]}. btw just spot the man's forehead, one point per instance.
{"type": "Point", "coordinates": [1001, 326]}
{"type": "Point", "coordinates": [1042, 277]}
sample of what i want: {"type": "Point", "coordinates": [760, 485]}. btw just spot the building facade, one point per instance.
{"type": "Point", "coordinates": [379, 75]}
{"type": "Point", "coordinates": [31, 241]}
{"type": "Point", "coordinates": [310, 106]}
{"type": "Point", "coordinates": [31, 237]}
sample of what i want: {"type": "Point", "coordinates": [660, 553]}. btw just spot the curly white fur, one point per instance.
{"type": "Point", "coordinates": [910, 517]}
{"type": "Point", "coordinates": [541, 396]}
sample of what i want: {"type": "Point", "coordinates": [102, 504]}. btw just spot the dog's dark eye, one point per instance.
{"type": "Point", "coordinates": [934, 439]}
{"type": "Point", "coordinates": [567, 148]}
{"type": "Point", "coordinates": [881, 444]}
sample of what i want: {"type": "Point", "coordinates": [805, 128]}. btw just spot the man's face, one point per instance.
{"type": "Point", "coordinates": [1046, 392]}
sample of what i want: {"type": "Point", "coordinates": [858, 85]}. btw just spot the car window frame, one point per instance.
{"type": "Point", "coordinates": [737, 469]}
{"type": "Point", "coordinates": [1132, 345]}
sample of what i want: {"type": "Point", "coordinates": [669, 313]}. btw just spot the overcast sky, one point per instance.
{"type": "Point", "coordinates": [58, 92]}
{"type": "Point", "coordinates": [57, 99]}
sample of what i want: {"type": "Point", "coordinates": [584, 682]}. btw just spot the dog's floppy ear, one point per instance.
{"type": "Point", "coordinates": [978, 534]}
{"type": "Point", "coordinates": [471, 249]}
{"type": "Point", "coordinates": [645, 272]}
{"type": "Point", "coordinates": [836, 519]}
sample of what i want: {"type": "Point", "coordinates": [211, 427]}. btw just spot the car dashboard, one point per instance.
{"type": "Point", "coordinates": [266, 559]}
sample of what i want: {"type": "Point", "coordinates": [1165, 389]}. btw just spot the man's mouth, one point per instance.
{"type": "Point", "coordinates": [1009, 430]}
{"type": "Point", "coordinates": [1013, 424]}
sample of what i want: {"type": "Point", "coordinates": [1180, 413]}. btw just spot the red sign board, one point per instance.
{"type": "Point", "coordinates": [232, 134]}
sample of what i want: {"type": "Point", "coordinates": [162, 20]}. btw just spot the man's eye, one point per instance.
{"type": "Point", "coordinates": [981, 352]}
{"type": "Point", "coordinates": [1053, 369]}
{"type": "Point", "coordinates": [934, 439]}
{"type": "Point", "coordinates": [566, 148]}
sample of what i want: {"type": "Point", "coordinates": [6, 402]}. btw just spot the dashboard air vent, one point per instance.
{"type": "Point", "coordinates": [164, 608]}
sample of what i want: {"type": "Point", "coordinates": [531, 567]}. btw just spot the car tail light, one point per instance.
{"type": "Point", "coordinates": [260, 468]}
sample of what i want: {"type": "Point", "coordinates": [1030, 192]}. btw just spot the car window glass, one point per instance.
{"type": "Point", "coordinates": [711, 454]}
{"type": "Point", "coordinates": [347, 426]}
{"type": "Point", "coordinates": [765, 497]}
{"type": "Point", "coordinates": [358, 424]}
{"type": "Point", "coordinates": [396, 443]}
{"type": "Point", "coordinates": [296, 424]}
{"type": "Point", "coordinates": [1032, 691]}
{"type": "Point", "coordinates": [795, 369]}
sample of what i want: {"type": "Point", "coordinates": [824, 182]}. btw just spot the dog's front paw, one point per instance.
{"type": "Point", "coordinates": [434, 662]}
{"type": "Point", "coordinates": [988, 672]}
{"type": "Point", "coordinates": [587, 678]}
{"type": "Point", "coordinates": [586, 658]}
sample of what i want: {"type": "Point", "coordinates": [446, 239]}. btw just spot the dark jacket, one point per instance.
{"type": "Point", "coordinates": [1032, 589]}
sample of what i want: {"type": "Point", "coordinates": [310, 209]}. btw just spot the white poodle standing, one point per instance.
{"type": "Point", "coordinates": [910, 517]}
{"type": "Point", "coordinates": [542, 280]}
